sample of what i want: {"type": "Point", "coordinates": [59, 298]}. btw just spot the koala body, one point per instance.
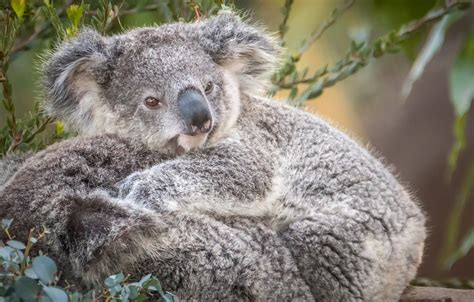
{"type": "Point", "coordinates": [222, 194]}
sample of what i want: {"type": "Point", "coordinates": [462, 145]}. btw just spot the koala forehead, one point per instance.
{"type": "Point", "coordinates": [164, 52]}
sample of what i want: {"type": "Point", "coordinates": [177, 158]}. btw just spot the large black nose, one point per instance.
{"type": "Point", "coordinates": [195, 112]}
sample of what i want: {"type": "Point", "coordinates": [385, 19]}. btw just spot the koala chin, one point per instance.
{"type": "Point", "coordinates": [265, 201]}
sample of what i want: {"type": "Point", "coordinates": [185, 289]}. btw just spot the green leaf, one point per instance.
{"type": "Point", "coordinates": [144, 279]}
{"type": "Point", "coordinates": [459, 131]}
{"type": "Point", "coordinates": [27, 289]}
{"type": "Point", "coordinates": [453, 225]}
{"type": "Point", "coordinates": [114, 280]}
{"type": "Point", "coordinates": [59, 128]}
{"type": "Point", "coordinates": [16, 244]}
{"type": "Point", "coordinates": [466, 245]}
{"type": "Point", "coordinates": [432, 45]}
{"type": "Point", "coordinates": [461, 78]}
{"type": "Point", "coordinates": [6, 223]}
{"type": "Point", "coordinates": [169, 297]}
{"type": "Point", "coordinates": [18, 7]}
{"type": "Point", "coordinates": [153, 284]}
{"type": "Point", "coordinates": [55, 294]}
{"type": "Point", "coordinates": [6, 253]}
{"type": "Point", "coordinates": [125, 294]}
{"type": "Point", "coordinates": [45, 298]}
{"type": "Point", "coordinates": [31, 274]}
{"type": "Point", "coordinates": [140, 298]}
{"type": "Point", "coordinates": [75, 297]}
{"type": "Point", "coordinates": [393, 14]}
{"type": "Point", "coordinates": [74, 13]}
{"type": "Point", "coordinates": [45, 268]}
{"type": "Point", "coordinates": [134, 291]}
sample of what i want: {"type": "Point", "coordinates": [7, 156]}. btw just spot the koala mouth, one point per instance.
{"type": "Point", "coordinates": [186, 143]}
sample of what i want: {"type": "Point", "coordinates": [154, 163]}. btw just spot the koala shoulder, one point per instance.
{"type": "Point", "coordinates": [9, 164]}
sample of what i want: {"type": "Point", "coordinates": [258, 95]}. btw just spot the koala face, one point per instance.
{"type": "Point", "coordinates": [176, 87]}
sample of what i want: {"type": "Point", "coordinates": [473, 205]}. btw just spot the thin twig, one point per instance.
{"type": "Point", "coordinates": [289, 64]}
{"type": "Point", "coordinates": [29, 245]}
{"type": "Point", "coordinates": [286, 9]}
{"type": "Point", "coordinates": [336, 13]}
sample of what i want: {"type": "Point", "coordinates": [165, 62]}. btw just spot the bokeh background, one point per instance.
{"type": "Point", "coordinates": [413, 135]}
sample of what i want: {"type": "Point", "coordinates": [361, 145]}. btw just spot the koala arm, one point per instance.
{"type": "Point", "coordinates": [192, 254]}
{"type": "Point", "coordinates": [229, 172]}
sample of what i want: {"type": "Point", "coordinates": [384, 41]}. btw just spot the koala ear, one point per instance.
{"type": "Point", "coordinates": [71, 78]}
{"type": "Point", "coordinates": [247, 51]}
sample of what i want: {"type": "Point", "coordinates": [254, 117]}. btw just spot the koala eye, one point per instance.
{"type": "Point", "coordinates": [152, 102]}
{"type": "Point", "coordinates": [209, 88]}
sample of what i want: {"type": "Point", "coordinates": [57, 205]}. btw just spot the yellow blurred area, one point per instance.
{"type": "Point", "coordinates": [334, 104]}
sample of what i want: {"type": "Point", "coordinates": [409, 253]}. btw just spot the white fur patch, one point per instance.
{"type": "Point", "coordinates": [189, 142]}
{"type": "Point", "coordinates": [230, 116]}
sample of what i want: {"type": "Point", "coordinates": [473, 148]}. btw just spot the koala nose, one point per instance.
{"type": "Point", "coordinates": [195, 111]}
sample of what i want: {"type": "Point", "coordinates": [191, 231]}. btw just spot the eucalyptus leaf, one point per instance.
{"type": "Point", "coordinates": [134, 291]}
{"type": "Point", "coordinates": [55, 294]}
{"type": "Point", "coordinates": [113, 280]}
{"type": "Point", "coordinates": [6, 223]}
{"type": "Point", "coordinates": [16, 244]}
{"type": "Point", "coordinates": [169, 297]}
{"type": "Point", "coordinates": [6, 252]}
{"type": "Point", "coordinates": [75, 297]}
{"type": "Point", "coordinates": [31, 273]}
{"type": "Point", "coordinates": [27, 289]}
{"type": "Point", "coordinates": [45, 268]}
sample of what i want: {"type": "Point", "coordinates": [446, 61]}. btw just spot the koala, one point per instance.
{"type": "Point", "coordinates": [183, 170]}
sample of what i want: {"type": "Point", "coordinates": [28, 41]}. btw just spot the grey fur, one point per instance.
{"type": "Point", "coordinates": [274, 204]}
{"type": "Point", "coordinates": [9, 164]}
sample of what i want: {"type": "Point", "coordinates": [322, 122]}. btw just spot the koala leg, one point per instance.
{"type": "Point", "coordinates": [192, 254]}
{"type": "Point", "coordinates": [350, 255]}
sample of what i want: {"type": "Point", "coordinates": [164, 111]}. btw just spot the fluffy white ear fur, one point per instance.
{"type": "Point", "coordinates": [244, 50]}
{"type": "Point", "coordinates": [71, 90]}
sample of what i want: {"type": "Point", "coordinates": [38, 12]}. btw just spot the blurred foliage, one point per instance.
{"type": "Point", "coordinates": [40, 24]}
{"type": "Point", "coordinates": [24, 277]}
{"type": "Point", "coordinates": [396, 13]}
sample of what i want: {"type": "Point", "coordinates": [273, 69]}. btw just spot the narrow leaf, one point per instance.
{"type": "Point", "coordinates": [55, 294]}
{"type": "Point", "coordinates": [27, 289]}
{"type": "Point", "coordinates": [6, 223]}
{"type": "Point", "coordinates": [461, 78]}
{"type": "Point", "coordinates": [466, 245]}
{"type": "Point", "coordinates": [18, 7]}
{"type": "Point", "coordinates": [433, 44]}
{"type": "Point", "coordinates": [459, 132]}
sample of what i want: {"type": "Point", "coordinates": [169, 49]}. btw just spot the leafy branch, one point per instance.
{"type": "Point", "coordinates": [11, 29]}
{"type": "Point", "coordinates": [285, 10]}
{"type": "Point", "coordinates": [314, 36]}
{"type": "Point", "coordinates": [288, 65]}
{"type": "Point", "coordinates": [359, 55]}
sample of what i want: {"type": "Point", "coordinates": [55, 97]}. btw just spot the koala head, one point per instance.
{"type": "Point", "coordinates": [176, 87]}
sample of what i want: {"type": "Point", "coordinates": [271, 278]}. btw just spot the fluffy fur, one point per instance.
{"type": "Point", "coordinates": [275, 205]}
